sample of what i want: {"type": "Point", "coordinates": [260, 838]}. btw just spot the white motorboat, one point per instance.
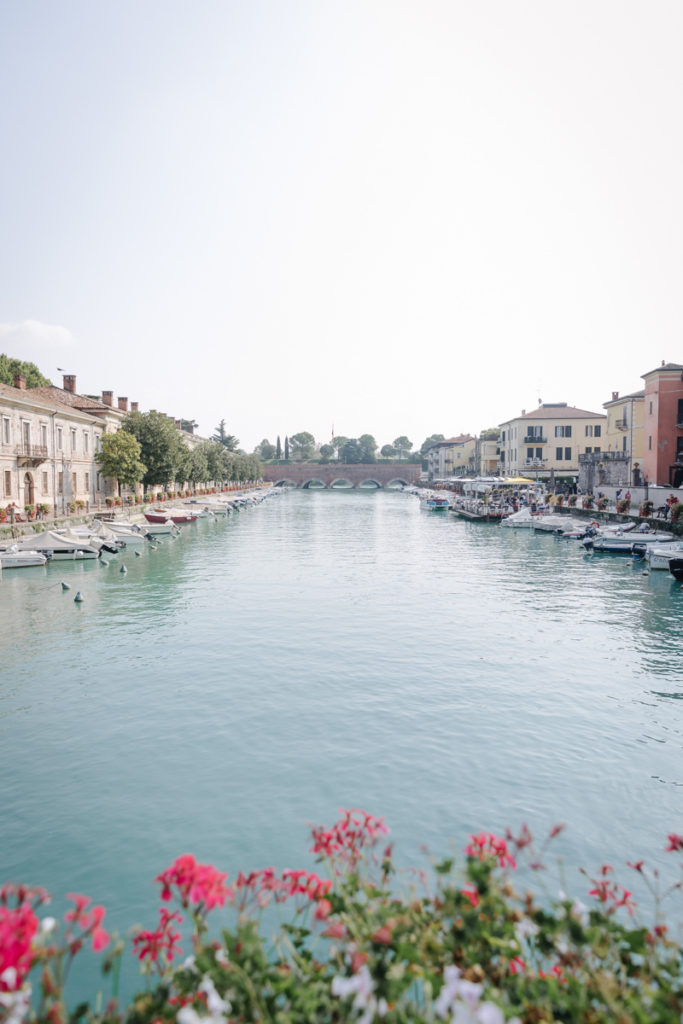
{"type": "Point", "coordinates": [13, 558]}
{"type": "Point", "coordinates": [522, 520]}
{"type": "Point", "coordinates": [126, 533]}
{"type": "Point", "coordinates": [435, 503]}
{"type": "Point", "coordinates": [656, 557]}
{"type": "Point", "coordinates": [62, 547]}
{"type": "Point", "coordinates": [166, 527]}
{"type": "Point", "coordinates": [618, 542]}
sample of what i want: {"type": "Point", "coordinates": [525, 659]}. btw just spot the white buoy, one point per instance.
{"type": "Point", "coordinates": [66, 586]}
{"type": "Point", "coordinates": [123, 569]}
{"type": "Point", "coordinates": [78, 598]}
{"type": "Point", "coordinates": [103, 562]}
{"type": "Point", "coordinates": [138, 555]}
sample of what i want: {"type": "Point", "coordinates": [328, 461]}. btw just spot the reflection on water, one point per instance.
{"type": "Point", "coordinates": [324, 650]}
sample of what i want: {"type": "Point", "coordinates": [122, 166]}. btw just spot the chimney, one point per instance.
{"type": "Point", "coordinates": [69, 382]}
{"type": "Point", "coordinates": [123, 404]}
{"type": "Point", "coordinates": [190, 428]}
{"type": "Point", "coordinates": [615, 395]}
{"type": "Point", "coordinates": [108, 398]}
{"type": "Point", "coordinates": [179, 424]}
{"type": "Point", "coordinates": [20, 381]}
{"type": "Point", "coordinates": [133, 406]}
{"type": "Point", "coordinates": [523, 412]}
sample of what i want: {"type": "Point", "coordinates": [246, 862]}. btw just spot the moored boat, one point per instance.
{"type": "Point", "coordinates": [13, 558]}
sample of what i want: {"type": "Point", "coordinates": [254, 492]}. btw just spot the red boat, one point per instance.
{"type": "Point", "coordinates": [161, 515]}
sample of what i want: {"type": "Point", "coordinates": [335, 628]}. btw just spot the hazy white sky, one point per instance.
{"type": "Point", "coordinates": [394, 217]}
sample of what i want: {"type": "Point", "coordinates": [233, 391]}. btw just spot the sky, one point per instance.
{"type": "Point", "coordinates": [384, 217]}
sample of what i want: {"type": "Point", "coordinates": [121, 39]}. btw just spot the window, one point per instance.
{"type": "Point", "coordinates": [679, 449]}
{"type": "Point", "coordinates": [563, 431]}
{"type": "Point", "coordinates": [649, 442]}
{"type": "Point", "coordinates": [597, 430]}
{"type": "Point", "coordinates": [650, 408]}
{"type": "Point", "coordinates": [568, 454]}
{"type": "Point", "coordinates": [86, 442]}
{"type": "Point", "coordinates": [87, 482]}
{"type": "Point", "coordinates": [558, 454]}
{"type": "Point", "coordinates": [589, 431]}
{"type": "Point", "coordinates": [45, 483]}
{"type": "Point", "coordinates": [43, 435]}
{"type": "Point", "coordinates": [679, 417]}
{"type": "Point", "coordinates": [6, 435]}
{"type": "Point", "coordinates": [60, 441]}
{"type": "Point", "coordinates": [529, 453]}
{"type": "Point", "coordinates": [74, 484]}
{"type": "Point", "coordinates": [588, 450]}
{"type": "Point", "coordinates": [8, 483]}
{"type": "Point", "coordinates": [73, 440]}
{"type": "Point", "coordinates": [597, 449]}
{"type": "Point", "coordinates": [623, 443]}
{"type": "Point", "coordinates": [60, 483]}
{"type": "Point", "coordinates": [26, 434]}
{"type": "Point", "coordinates": [98, 442]}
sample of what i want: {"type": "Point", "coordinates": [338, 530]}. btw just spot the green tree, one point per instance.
{"type": "Point", "coordinates": [9, 367]}
{"type": "Point", "coordinates": [402, 446]}
{"type": "Point", "coordinates": [338, 443]}
{"type": "Point", "coordinates": [265, 450]}
{"type": "Point", "coordinates": [388, 451]}
{"type": "Point", "coordinates": [286, 449]}
{"type": "Point", "coordinates": [302, 444]}
{"type": "Point", "coordinates": [119, 458]}
{"type": "Point", "coordinates": [228, 441]}
{"type": "Point", "coordinates": [491, 434]}
{"type": "Point", "coordinates": [197, 465]}
{"type": "Point", "coordinates": [163, 450]}
{"type": "Point", "coordinates": [368, 447]}
{"type": "Point", "coordinates": [278, 449]}
{"type": "Point", "coordinates": [326, 452]}
{"type": "Point", "coordinates": [352, 452]}
{"type": "Point", "coordinates": [429, 441]}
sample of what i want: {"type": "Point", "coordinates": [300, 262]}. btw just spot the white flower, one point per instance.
{"type": "Point", "coordinates": [360, 986]}
{"type": "Point", "coordinates": [215, 1004]}
{"type": "Point", "coordinates": [48, 924]}
{"type": "Point", "coordinates": [17, 1004]}
{"type": "Point", "coordinates": [525, 927]}
{"type": "Point", "coordinates": [189, 964]}
{"type": "Point", "coordinates": [222, 957]}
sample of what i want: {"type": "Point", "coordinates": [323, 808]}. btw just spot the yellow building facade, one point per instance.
{"type": "Point", "coordinates": [549, 440]}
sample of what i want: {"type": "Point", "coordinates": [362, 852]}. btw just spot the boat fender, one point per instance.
{"type": "Point", "coordinates": [123, 569]}
{"type": "Point", "coordinates": [78, 598]}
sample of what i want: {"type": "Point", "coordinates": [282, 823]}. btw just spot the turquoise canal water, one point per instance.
{"type": "Point", "coordinates": [324, 650]}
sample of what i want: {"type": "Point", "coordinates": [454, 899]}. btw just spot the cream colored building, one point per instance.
{"type": "Point", "coordinates": [47, 449]}
{"type": "Point", "coordinates": [452, 457]}
{"type": "Point", "coordinates": [486, 453]}
{"type": "Point", "coordinates": [549, 440]}
{"type": "Point", "coordinates": [625, 424]}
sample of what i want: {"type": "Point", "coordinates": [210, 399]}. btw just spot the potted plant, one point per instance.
{"type": "Point", "coordinates": [602, 503]}
{"type": "Point", "coordinates": [109, 501]}
{"type": "Point", "coordinates": [675, 511]}
{"type": "Point", "coordinates": [30, 511]}
{"type": "Point", "coordinates": [645, 508]}
{"type": "Point", "coordinates": [623, 504]}
{"type": "Point", "coordinates": [572, 500]}
{"type": "Point", "coordinates": [71, 507]}
{"type": "Point", "coordinates": [559, 500]}
{"type": "Point", "coordinates": [587, 501]}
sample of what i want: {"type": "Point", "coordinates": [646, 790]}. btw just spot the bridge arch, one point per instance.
{"type": "Point", "coordinates": [341, 483]}
{"type": "Point", "coordinates": [285, 482]}
{"type": "Point", "coordinates": [398, 482]}
{"type": "Point", "coordinates": [314, 484]}
{"type": "Point", "coordinates": [369, 484]}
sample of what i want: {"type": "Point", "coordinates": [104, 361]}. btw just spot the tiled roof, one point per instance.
{"type": "Point", "coordinates": [622, 398]}
{"type": "Point", "coordinates": [557, 411]}
{"type": "Point", "coordinates": [664, 366]}
{"type": "Point", "coordinates": [71, 399]}
{"type": "Point", "coordinates": [460, 439]}
{"type": "Point", "coordinates": [36, 396]}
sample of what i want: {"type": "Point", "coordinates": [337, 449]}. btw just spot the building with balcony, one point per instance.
{"type": "Point", "coordinates": [545, 444]}
{"type": "Point", "coordinates": [452, 457]}
{"type": "Point", "coordinates": [47, 448]}
{"type": "Point", "coordinates": [663, 425]}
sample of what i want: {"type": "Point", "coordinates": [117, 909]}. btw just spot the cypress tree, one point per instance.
{"type": "Point", "coordinates": [286, 449]}
{"type": "Point", "coordinates": [278, 449]}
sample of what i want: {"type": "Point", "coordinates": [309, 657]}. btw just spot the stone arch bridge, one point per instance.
{"type": "Point", "coordinates": [335, 474]}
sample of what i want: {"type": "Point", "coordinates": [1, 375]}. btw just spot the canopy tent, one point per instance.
{"type": "Point", "coordinates": [519, 480]}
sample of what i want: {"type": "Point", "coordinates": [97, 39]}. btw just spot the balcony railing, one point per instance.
{"type": "Point", "coordinates": [535, 462]}
{"type": "Point", "coordinates": [31, 452]}
{"type": "Point", "coordinates": [622, 425]}
{"type": "Point", "coordinates": [535, 439]}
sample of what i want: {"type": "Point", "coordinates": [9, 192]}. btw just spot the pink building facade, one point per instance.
{"type": "Point", "coordinates": [663, 433]}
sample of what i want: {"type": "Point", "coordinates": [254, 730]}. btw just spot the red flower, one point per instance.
{"type": "Point", "coordinates": [675, 843]}
{"type": "Point", "coordinates": [17, 930]}
{"type": "Point", "coordinates": [200, 884]}
{"type": "Point", "coordinates": [517, 965]}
